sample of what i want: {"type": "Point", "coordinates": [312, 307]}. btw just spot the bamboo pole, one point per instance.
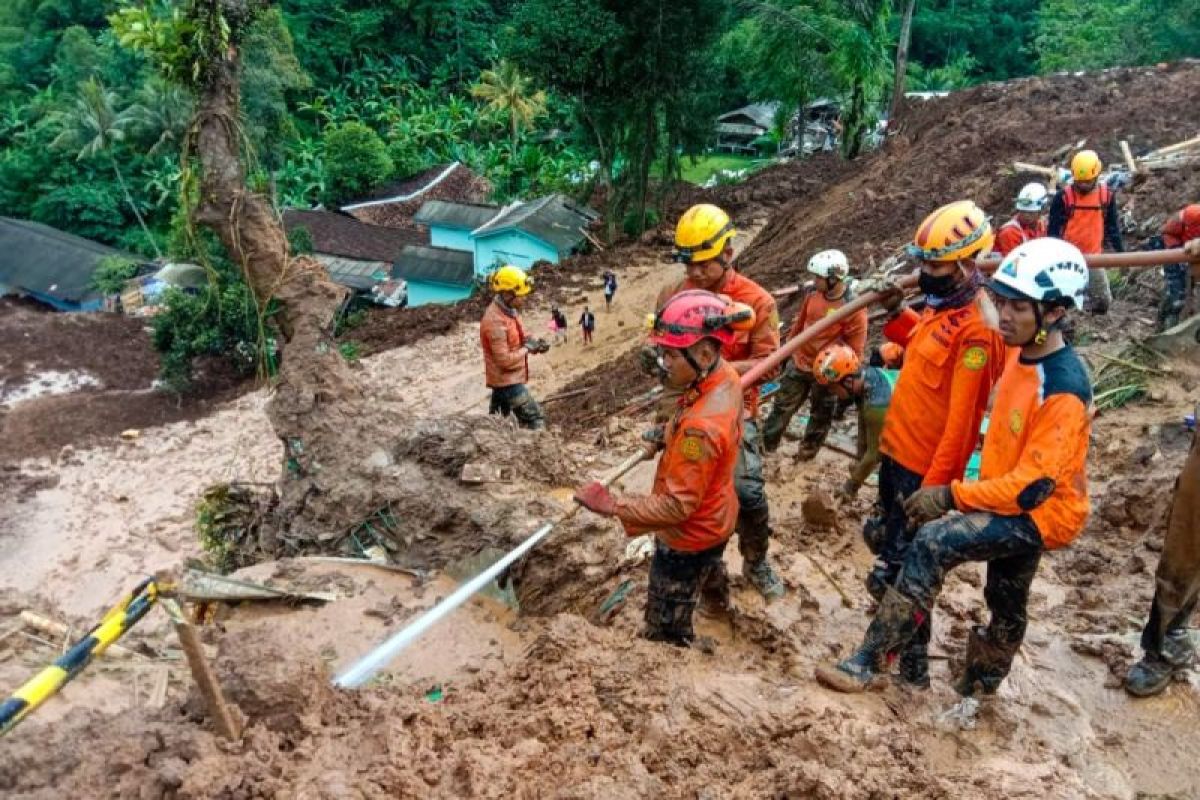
{"type": "Point", "coordinates": [223, 717]}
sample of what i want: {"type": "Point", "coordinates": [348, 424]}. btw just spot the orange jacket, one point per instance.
{"type": "Point", "coordinates": [1035, 451]}
{"type": "Point", "coordinates": [751, 346]}
{"type": "Point", "coordinates": [1087, 221]}
{"type": "Point", "coordinates": [1013, 234]}
{"type": "Point", "coordinates": [1181, 227]}
{"type": "Point", "coordinates": [693, 505]}
{"type": "Point", "coordinates": [951, 361]}
{"type": "Point", "coordinates": [851, 331]}
{"type": "Point", "coordinates": [505, 359]}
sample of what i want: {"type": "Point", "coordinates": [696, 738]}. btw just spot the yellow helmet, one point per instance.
{"type": "Point", "coordinates": [702, 233]}
{"type": "Point", "coordinates": [955, 231]}
{"type": "Point", "coordinates": [511, 279]}
{"type": "Point", "coordinates": [1086, 166]}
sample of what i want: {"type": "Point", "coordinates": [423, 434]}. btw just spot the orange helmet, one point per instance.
{"type": "Point", "coordinates": [892, 354]}
{"type": "Point", "coordinates": [1086, 166]}
{"type": "Point", "coordinates": [955, 231]}
{"type": "Point", "coordinates": [835, 363]}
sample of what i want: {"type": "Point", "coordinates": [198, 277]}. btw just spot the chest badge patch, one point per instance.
{"type": "Point", "coordinates": [975, 358]}
{"type": "Point", "coordinates": [691, 448]}
{"type": "Point", "coordinates": [1015, 421]}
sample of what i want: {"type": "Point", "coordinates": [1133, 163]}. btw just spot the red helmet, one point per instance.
{"type": "Point", "coordinates": [834, 363]}
{"type": "Point", "coordinates": [691, 316]}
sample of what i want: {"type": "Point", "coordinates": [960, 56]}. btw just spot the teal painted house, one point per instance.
{"type": "Point", "coordinates": [523, 233]}
{"type": "Point", "coordinates": [450, 224]}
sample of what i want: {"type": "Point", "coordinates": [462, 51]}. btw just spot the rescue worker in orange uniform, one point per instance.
{"type": "Point", "coordinates": [1027, 224]}
{"type": "Point", "coordinates": [1167, 646]}
{"type": "Point", "coordinates": [1031, 494]}
{"type": "Point", "coordinates": [1085, 214]}
{"type": "Point", "coordinates": [506, 348]}
{"type": "Point", "coordinates": [1180, 228]}
{"type": "Point", "coordinates": [693, 507]}
{"type": "Point", "coordinates": [703, 244]}
{"type": "Point", "coordinates": [831, 272]}
{"type": "Point", "coordinates": [952, 358]}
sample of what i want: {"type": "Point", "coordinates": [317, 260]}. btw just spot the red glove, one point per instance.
{"type": "Point", "coordinates": [595, 497]}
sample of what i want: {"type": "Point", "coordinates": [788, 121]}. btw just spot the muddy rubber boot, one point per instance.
{"type": "Point", "coordinates": [914, 666]}
{"type": "Point", "coordinates": [1155, 671]}
{"type": "Point", "coordinates": [763, 578]}
{"type": "Point", "coordinates": [988, 663]}
{"type": "Point", "coordinates": [893, 625]}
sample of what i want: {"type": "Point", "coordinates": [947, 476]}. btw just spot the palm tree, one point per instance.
{"type": "Point", "coordinates": [506, 91]}
{"type": "Point", "coordinates": [94, 125]}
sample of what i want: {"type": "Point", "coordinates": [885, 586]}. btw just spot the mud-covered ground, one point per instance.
{"type": "Point", "coordinates": [549, 702]}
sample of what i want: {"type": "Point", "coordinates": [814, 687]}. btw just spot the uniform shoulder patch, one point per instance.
{"type": "Point", "coordinates": [691, 447]}
{"type": "Point", "coordinates": [1015, 421]}
{"type": "Point", "coordinates": [975, 358]}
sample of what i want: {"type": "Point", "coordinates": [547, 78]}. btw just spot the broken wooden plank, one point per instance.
{"type": "Point", "coordinates": [1173, 148]}
{"type": "Point", "coordinates": [1128, 154]}
{"type": "Point", "coordinates": [1021, 166]}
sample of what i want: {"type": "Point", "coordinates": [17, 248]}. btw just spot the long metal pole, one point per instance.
{"type": "Point", "coordinates": [366, 667]}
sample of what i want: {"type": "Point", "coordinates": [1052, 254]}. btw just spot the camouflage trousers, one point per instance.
{"type": "Point", "coordinates": [677, 580]}
{"type": "Point", "coordinates": [1012, 548]}
{"type": "Point", "coordinates": [1177, 579]}
{"type": "Point", "coordinates": [517, 401]}
{"type": "Point", "coordinates": [797, 386]}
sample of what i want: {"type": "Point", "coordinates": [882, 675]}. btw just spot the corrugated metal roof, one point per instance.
{"type": "Point", "coordinates": [355, 274]}
{"type": "Point", "coordinates": [38, 258]}
{"type": "Point", "coordinates": [437, 265]}
{"type": "Point", "coordinates": [554, 219]}
{"type": "Point", "coordinates": [454, 215]}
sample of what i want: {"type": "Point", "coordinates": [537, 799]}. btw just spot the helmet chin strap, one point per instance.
{"type": "Point", "coordinates": [701, 373]}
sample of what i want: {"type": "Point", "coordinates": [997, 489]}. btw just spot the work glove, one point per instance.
{"type": "Point", "coordinates": [848, 490]}
{"type": "Point", "coordinates": [536, 346]}
{"type": "Point", "coordinates": [595, 497]}
{"type": "Point", "coordinates": [927, 504]}
{"type": "Point", "coordinates": [890, 295]}
{"type": "Point", "coordinates": [648, 360]}
{"type": "Point", "coordinates": [653, 440]}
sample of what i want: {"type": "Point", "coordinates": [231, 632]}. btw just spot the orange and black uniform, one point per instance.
{"type": "Point", "coordinates": [506, 365]}
{"type": "Point", "coordinates": [1014, 233]}
{"type": "Point", "coordinates": [797, 383]}
{"type": "Point", "coordinates": [1178, 279]}
{"type": "Point", "coordinates": [746, 350]}
{"type": "Point", "coordinates": [693, 507]}
{"type": "Point", "coordinates": [1031, 496]}
{"type": "Point", "coordinates": [1089, 220]}
{"type": "Point", "coordinates": [951, 361]}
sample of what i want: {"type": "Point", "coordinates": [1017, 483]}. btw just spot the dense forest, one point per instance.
{"type": "Point", "coordinates": [595, 98]}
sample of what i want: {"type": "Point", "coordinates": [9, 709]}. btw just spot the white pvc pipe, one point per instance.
{"type": "Point", "coordinates": [366, 667]}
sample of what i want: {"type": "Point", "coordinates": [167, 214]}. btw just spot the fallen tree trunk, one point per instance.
{"type": "Point", "coordinates": [317, 408]}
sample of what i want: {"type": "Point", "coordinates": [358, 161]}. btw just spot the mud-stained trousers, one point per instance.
{"type": "Point", "coordinates": [676, 582]}
{"type": "Point", "coordinates": [795, 387]}
{"type": "Point", "coordinates": [896, 483]}
{"type": "Point", "coordinates": [754, 514]}
{"type": "Point", "coordinates": [1177, 285]}
{"type": "Point", "coordinates": [1012, 548]}
{"type": "Point", "coordinates": [517, 401]}
{"type": "Point", "coordinates": [1177, 579]}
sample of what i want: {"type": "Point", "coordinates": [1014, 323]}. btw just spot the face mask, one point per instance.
{"type": "Point", "coordinates": [937, 285]}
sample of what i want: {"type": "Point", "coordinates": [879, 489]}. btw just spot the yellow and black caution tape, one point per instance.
{"type": "Point", "coordinates": [46, 683]}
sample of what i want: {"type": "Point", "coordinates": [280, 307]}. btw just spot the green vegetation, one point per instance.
{"type": "Point", "coordinates": [701, 168]}
{"type": "Point", "coordinates": [112, 273]}
{"type": "Point", "coordinates": [341, 96]}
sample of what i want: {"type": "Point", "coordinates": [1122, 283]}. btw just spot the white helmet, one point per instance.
{"type": "Point", "coordinates": [1045, 271]}
{"type": "Point", "coordinates": [1032, 197]}
{"type": "Point", "coordinates": [831, 264]}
